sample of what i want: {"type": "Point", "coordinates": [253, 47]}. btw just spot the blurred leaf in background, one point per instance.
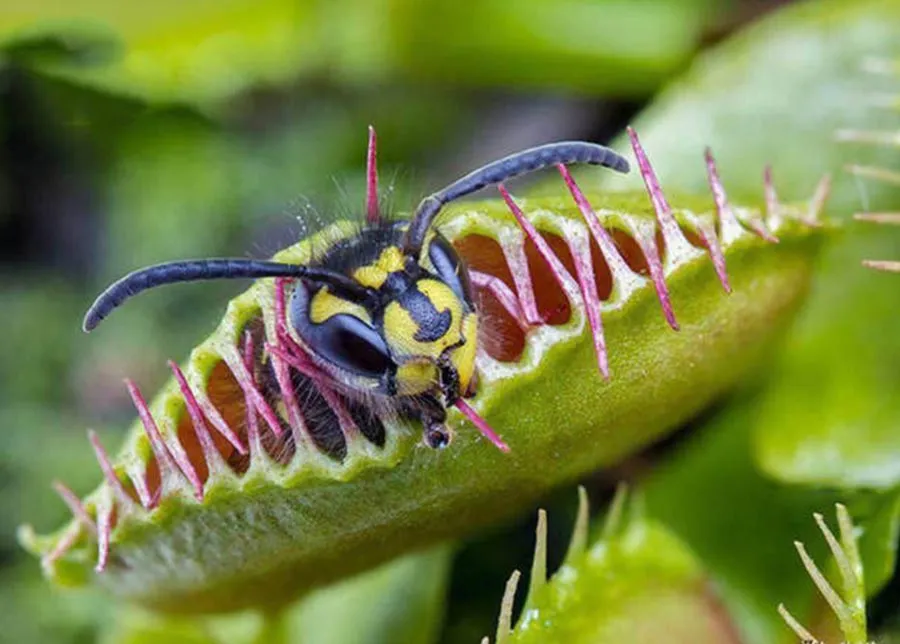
{"type": "Point", "coordinates": [207, 51]}
{"type": "Point", "coordinates": [402, 601]}
{"type": "Point", "coordinates": [785, 93]}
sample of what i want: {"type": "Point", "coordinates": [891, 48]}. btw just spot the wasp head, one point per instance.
{"type": "Point", "coordinates": [413, 334]}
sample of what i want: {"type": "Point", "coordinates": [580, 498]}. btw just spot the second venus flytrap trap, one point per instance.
{"type": "Point", "coordinates": [535, 339]}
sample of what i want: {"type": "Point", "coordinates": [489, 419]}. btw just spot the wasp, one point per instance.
{"type": "Point", "coordinates": [386, 313]}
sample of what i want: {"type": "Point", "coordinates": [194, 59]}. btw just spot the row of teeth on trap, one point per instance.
{"type": "Point", "coordinates": [174, 469]}
{"type": "Point", "coordinates": [877, 67]}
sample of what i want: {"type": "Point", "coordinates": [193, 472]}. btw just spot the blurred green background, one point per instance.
{"type": "Point", "coordinates": [133, 133]}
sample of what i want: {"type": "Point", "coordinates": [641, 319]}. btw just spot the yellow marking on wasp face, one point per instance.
{"type": "Point", "coordinates": [391, 259]}
{"type": "Point", "coordinates": [369, 275]}
{"type": "Point", "coordinates": [374, 274]}
{"type": "Point", "coordinates": [416, 376]}
{"type": "Point", "coordinates": [400, 327]}
{"type": "Point", "coordinates": [325, 304]}
{"type": "Point", "coordinates": [443, 297]}
{"type": "Point", "coordinates": [463, 357]}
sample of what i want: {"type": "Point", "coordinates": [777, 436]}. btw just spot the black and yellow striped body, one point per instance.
{"type": "Point", "coordinates": [413, 337]}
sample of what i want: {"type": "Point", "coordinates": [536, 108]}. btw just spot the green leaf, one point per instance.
{"type": "Point", "coordinates": [399, 602]}
{"type": "Point", "coordinates": [402, 601]}
{"type": "Point", "coordinates": [261, 535]}
{"type": "Point", "coordinates": [602, 47]}
{"type": "Point", "coordinates": [206, 52]}
{"type": "Point", "coordinates": [638, 583]}
{"type": "Point", "coordinates": [879, 541]}
{"type": "Point", "coordinates": [170, 51]}
{"type": "Point", "coordinates": [786, 92]}
{"type": "Point", "coordinates": [738, 523]}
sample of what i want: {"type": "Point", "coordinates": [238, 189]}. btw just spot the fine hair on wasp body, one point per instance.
{"type": "Point", "coordinates": [385, 315]}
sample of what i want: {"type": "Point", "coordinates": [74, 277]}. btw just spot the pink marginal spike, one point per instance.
{"type": "Point", "coordinates": [139, 480]}
{"type": "Point", "coordinates": [481, 424]}
{"type": "Point", "coordinates": [729, 222]}
{"type": "Point", "coordinates": [168, 459]}
{"type": "Point", "coordinates": [517, 260]}
{"type": "Point", "coordinates": [817, 203]}
{"type": "Point", "coordinates": [219, 423]}
{"type": "Point", "coordinates": [773, 208]}
{"type": "Point", "coordinates": [707, 234]}
{"type": "Point", "coordinates": [296, 356]}
{"type": "Point", "coordinates": [253, 437]}
{"type": "Point", "coordinates": [584, 269]}
{"type": "Point", "coordinates": [601, 235]}
{"type": "Point", "coordinates": [282, 335]}
{"type": "Point", "coordinates": [107, 468]}
{"type": "Point", "coordinates": [585, 278]}
{"type": "Point", "coordinates": [346, 422]}
{"type": "Point", "coordinates": [611, 253]}
{"type": "Point", "coordinates": [283, 378]}
{"type": "Point", "coordinates": [676, 243]}
{"type": "Point", "coordinates": [104, 530]}
{"type": "Point", "coordinates": [280, 308]}
{"type": "Point", "coordinates": [729, 225]}
{"type": "Point", "coordinates": [502, 293]}
{"type": "Point", "coordinates": [248, 386]}
{"type": "Point", "coordinates": [372, 214]}
{"type": "Point", "coordinates": [647, 242]}
{"type": "Point", "coordinates": [201, 429]}
{"type": "Point", "coordinates": [759, 228]}
{"type": "Point", "coordinates": [553, 263]}
{"type": "Point", "coordinates": [62, 547]}
{"type": "Point", "coordinates": [302, 363]}
{"type": "Point", "coordinates": [282, 374]}
{"type": "Point", "coordinates": [75, 506]}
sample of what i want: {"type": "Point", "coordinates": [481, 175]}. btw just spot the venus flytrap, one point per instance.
{"type": "Point", "coordinates": [635, 583]}
{"type": "Point", "coordinates": [849, 605]}
{"type": "Point", "coordinates": [606, 324]}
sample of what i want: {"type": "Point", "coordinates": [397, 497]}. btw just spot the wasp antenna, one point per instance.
{"type": "Point", "coordinates": [530, 160]}
{"type": "Point", "coordinates": [194, 270]}
{"type": "Point", "coordinates": [372, 214]}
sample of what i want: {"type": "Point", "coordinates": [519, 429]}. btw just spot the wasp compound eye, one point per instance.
{"type": "Point", "coordinates": [353, 345]}
{"type": "Point", "coordinates": [340, 336]}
